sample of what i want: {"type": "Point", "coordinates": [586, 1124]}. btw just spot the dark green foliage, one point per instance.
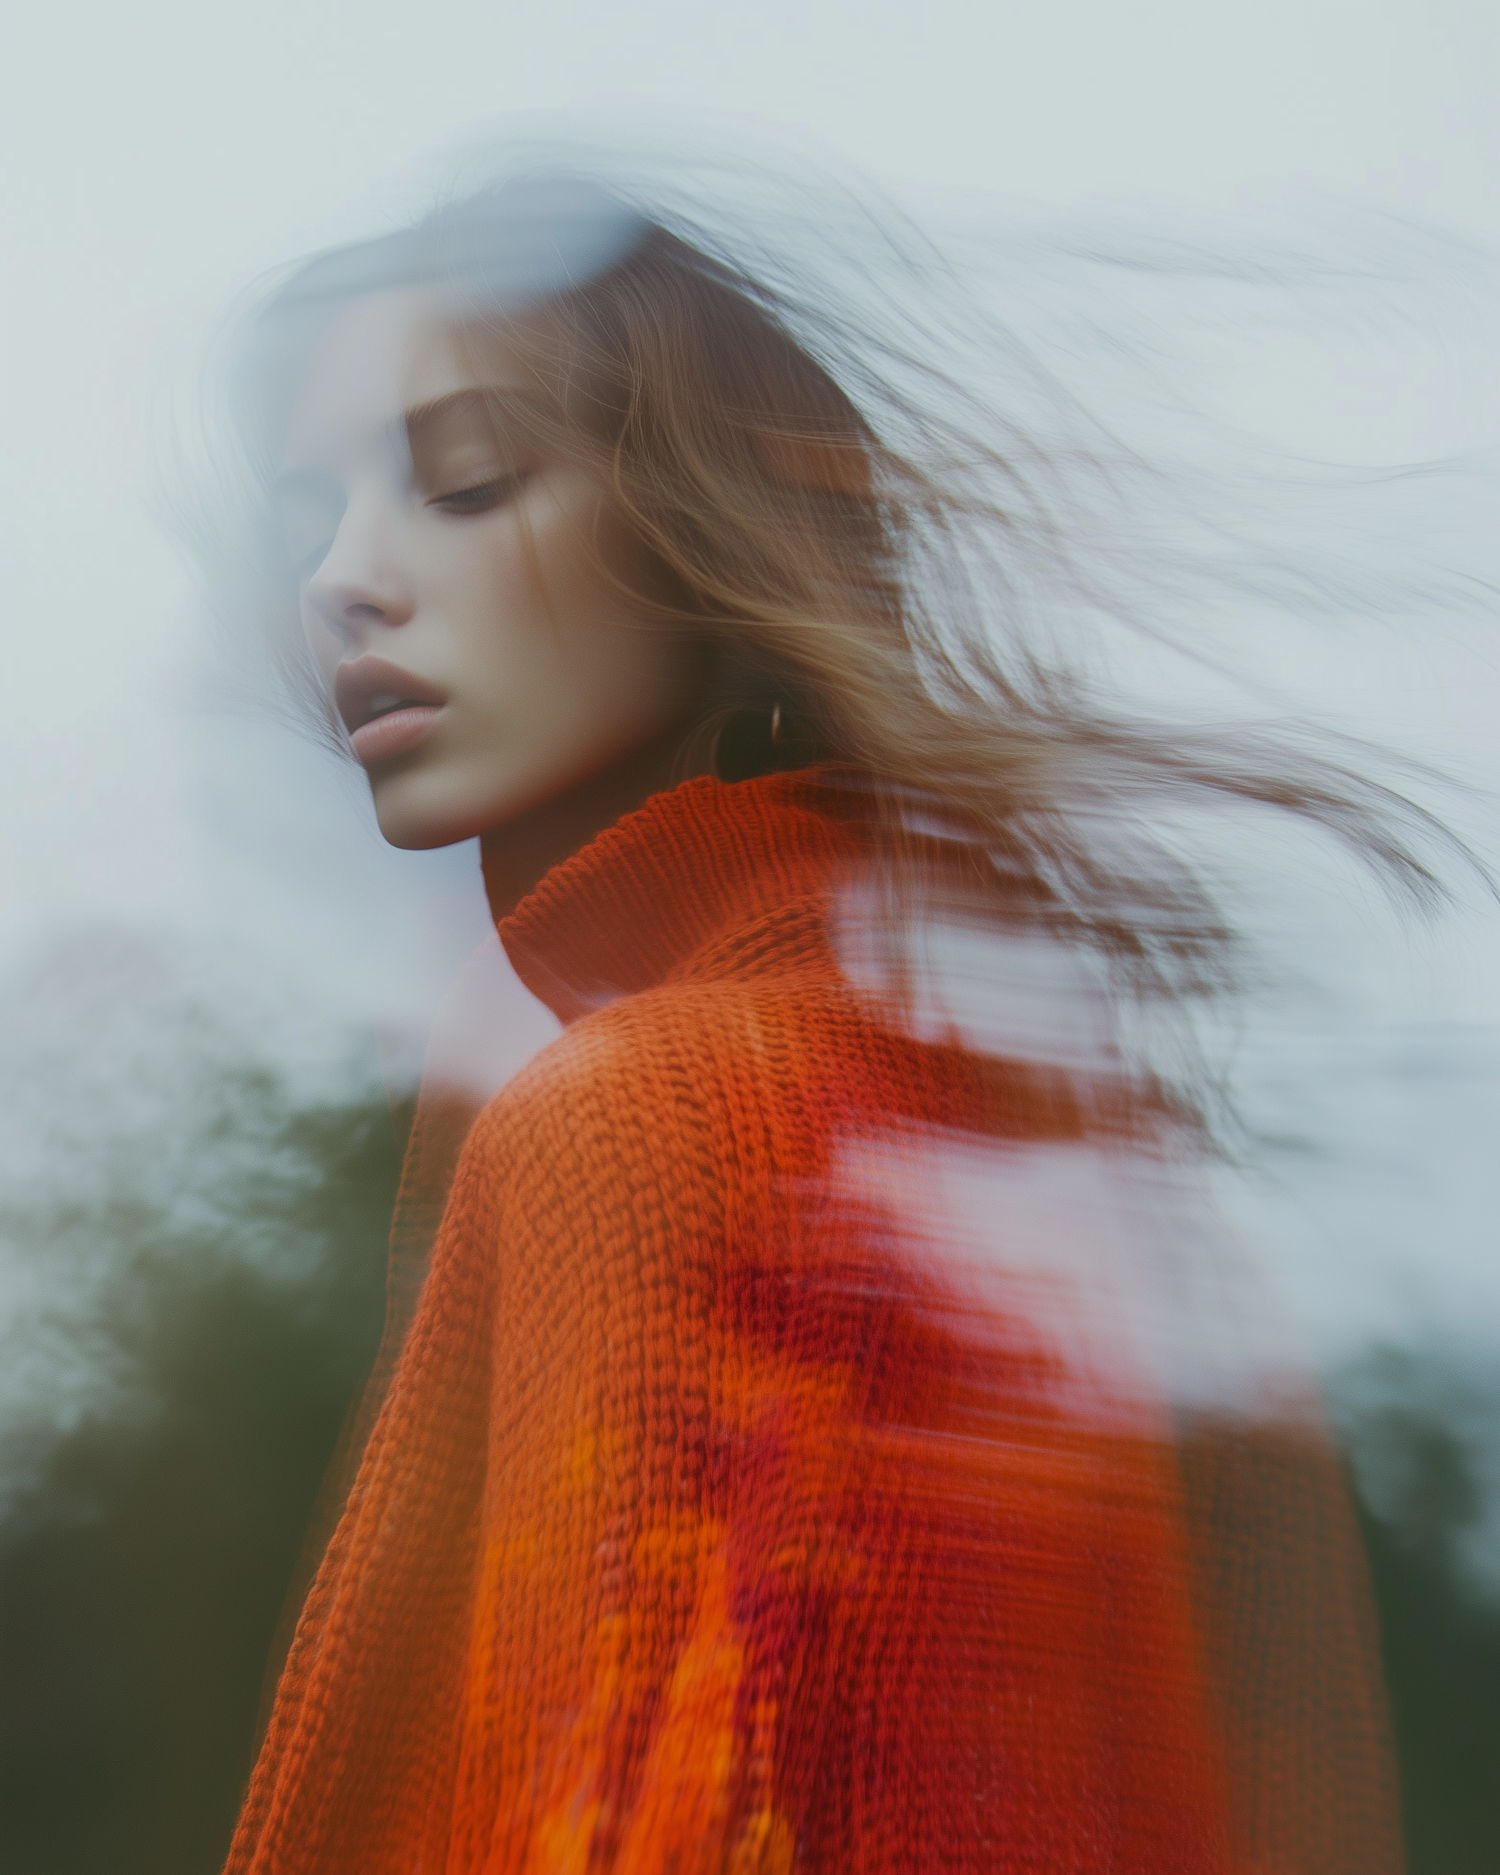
{"type": "Point", "coordinates": [1418, 1427]}
{"type": "Point", "coordinates": [1442, 1656]}
{"type": "Point", "coordinates": [135, 1618]}
{"type": "Point", "coordinates": [139, 1595]}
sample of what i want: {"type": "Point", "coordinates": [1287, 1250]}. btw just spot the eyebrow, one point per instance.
{"type": "Point", "coordinates": [493, 397]}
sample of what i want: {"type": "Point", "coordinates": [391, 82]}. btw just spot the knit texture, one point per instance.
{"type": "Point", "coordinates": [706, 1526]}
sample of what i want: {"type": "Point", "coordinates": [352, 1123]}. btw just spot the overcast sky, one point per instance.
{"type": "Point", "coordinates": [160, 156]}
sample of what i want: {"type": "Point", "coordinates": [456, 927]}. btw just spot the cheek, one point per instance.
{"type": "Point", "coordinates": [551, 659]}
{"type": "Point", "coordinates": [620, 675]}
{"type": "Point", "coordinates": [482, 579]}
{"type": "Point", "coordinates": [545, 602]}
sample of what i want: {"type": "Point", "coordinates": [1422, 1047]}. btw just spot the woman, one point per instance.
{"type": "Point", "coordinates": [734, 1498]}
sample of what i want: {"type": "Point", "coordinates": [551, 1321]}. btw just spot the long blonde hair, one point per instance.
{"type": "Point", "coordinates": [842, 524]}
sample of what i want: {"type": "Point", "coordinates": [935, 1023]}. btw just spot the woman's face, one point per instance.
{"type": "Point", "coordinates": [467, 595]}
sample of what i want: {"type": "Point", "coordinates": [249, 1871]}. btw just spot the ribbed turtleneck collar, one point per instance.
{"type": "Point", "coordinates": [648, 894]}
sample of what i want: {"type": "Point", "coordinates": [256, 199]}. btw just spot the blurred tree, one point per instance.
{"type": "Point", "coordinates": [143, 1571]}
{"type": "Point", "coordinates": [139, 1596]}
{"type": "Point", "coordinates": [1422, 1431]}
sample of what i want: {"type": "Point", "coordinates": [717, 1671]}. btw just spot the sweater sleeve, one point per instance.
{"type": "Point", "coordinates": [710, 1524]}
{"type": "Point", "coordinates": [604, 1710]}
{"type": "Point", "coordinates": [783, 1560]}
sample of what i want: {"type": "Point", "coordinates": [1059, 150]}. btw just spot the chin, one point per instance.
{"type": "Point", "coordinates": [422, 807]}
{"type": "Point", "coordinates": [421, 839]}
{"type": "Point", "coordinates": [417, 818]}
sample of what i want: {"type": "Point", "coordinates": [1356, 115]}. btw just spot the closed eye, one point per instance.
{"type": "Point", "coordinates": [481, 496]}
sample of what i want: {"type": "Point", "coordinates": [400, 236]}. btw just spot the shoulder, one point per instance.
{"type": "Point", "coordinates": [678, 1100]}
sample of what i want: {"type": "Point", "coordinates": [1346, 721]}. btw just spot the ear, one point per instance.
{"type": "Point", "coordinates": [833, 465]}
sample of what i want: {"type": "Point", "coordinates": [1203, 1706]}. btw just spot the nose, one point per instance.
{"type": "Point", "coordinates": [361, 585]}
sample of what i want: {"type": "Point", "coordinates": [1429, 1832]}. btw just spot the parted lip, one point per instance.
{"type": "Point", "coordinates": [370, 688]}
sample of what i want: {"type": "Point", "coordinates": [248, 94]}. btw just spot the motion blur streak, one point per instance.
{"type": "Point", "coordinates": [842, 1524]}
{"type": "Point", "coordinates": [1157, 1340]}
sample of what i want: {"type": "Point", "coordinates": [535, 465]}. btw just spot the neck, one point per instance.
{"type": "Point", "coordinates": [517, 856]}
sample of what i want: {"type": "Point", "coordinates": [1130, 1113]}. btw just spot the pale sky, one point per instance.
{"type": "Point", "coordinates": [159, 157]}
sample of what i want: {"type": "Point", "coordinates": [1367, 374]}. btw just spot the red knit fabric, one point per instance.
{"type": "Point", "coordinates": [705, 1526]}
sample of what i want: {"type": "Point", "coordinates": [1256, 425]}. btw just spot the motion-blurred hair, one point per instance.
{"type": "Point", "coordinates": [871, 544]}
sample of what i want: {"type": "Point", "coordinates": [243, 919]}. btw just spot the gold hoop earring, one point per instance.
{"type": "Point", "coordinates": [776, 723]}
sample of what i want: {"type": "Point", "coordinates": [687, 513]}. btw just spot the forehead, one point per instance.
{"type": "Point", "coordinates": [380, 356]}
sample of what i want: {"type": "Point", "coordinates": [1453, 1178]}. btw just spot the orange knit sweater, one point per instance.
{"type": "Point", "coordinates": [704, 1527]}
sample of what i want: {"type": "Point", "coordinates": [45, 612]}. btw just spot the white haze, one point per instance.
{"type": "Point", "coordinates": [190, 889]}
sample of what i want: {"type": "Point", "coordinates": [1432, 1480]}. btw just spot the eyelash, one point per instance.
{"type": "Point", "coordinates": [482, 496]}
